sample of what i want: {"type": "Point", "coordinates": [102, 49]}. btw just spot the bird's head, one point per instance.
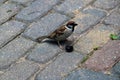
{"type": "Point", "coordinates": [71, 25]}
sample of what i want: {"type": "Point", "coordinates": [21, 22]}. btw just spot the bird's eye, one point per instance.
{"type": "Point", "coordinates": [69, 26]}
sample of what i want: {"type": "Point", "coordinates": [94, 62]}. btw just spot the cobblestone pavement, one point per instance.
{"type": "Point", "coordinates": [95, 55]}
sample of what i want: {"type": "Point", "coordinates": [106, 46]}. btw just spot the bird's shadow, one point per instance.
{"type": "Point", "coordinates": [54, 42]}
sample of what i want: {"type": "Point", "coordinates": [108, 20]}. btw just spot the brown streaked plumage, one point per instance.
{"type": "Point", "coordinates": [57, 32]}
{"type": "Point", "coordinates": [61, 33]}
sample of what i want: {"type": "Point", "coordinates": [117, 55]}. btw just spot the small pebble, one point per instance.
{"type": "Point", "coordinates": [69, 48]}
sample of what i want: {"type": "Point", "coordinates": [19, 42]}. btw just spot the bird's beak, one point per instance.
{"type": "Point", "coordinates": [75, 24]}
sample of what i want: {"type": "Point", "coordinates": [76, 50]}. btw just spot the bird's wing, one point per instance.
{"type": "Point", "coordinates": [57, 32]}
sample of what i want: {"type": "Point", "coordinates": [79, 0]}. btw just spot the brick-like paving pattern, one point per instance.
{"type": "Point", "coordinates": [95, 55]}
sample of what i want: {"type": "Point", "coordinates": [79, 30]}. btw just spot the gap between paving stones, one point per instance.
{"type": "Point", "coordinates": [40, 14]}
{"type": "Point", "coordinates": [25, 3]}
{"type": "Point", "coordinates": [28, 69]}
{"type": "Point", "coordinates": [10, 15]}
{"type": "Point", "coordinates": [45, 65]}
{"type": "Point", "coordinates": [106, 5]}
{"type": "Point", "coordinates": [60, 68]}
{"type": "Point", "coordinates": [72, 14]}
{"type": "Point", "coordinates": [22, 54]}
{"type": "Point", "coordinates": [11, 40]}
{"type": "Point", "coordinates": [51, 59]}
{"type": "Point", "coordinates": [42, 65]}
{"type": "Point", "coordinates": [23, 57]}
{"type": "Point", "coordinates": [58, 55]}
{"type": "Point", "coordinates": [4, 44]}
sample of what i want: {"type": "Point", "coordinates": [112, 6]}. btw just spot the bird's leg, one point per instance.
{"type": "Point", "coordinates": [61, 47]}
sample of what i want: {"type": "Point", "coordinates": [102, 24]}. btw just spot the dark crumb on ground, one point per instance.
{"type": "Point", "coordinates": [69, 48]}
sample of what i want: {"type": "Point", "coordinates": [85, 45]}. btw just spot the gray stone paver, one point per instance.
{"type": "Point", "coordinates": [96, 37]}
{"type": "Point", "coordinates": [113, 18]}
{"type": "Point", "coordinates": [9, 30]}
{"type": "Point", "coordinates": [36, 10]}
{"type": "Point", "coordinates": [60, 67]}
{"type": "Point", "coordinates": [84, 74]}
{"type": "Point", "coordinates": [69, 6]}
{"type": "Point", "coordinates": [24, 2]}
{"type": "Point", "coordinates": [22, 21]}
{"type": "Point", "coordinates": [13, 51]}
{"type": "Point", "coordinates": [116, 69]}
{"type": "Point", "coordinates": [106, 4]}
{"type": "Point", "coordinates": [105, 58]}
{"type": "Point", "coordinates": [88, 18]}
{"type": "Point", "coordinates": [20, 71]}
{"type": "Point", "coordinates": [44, 52]}
{"type": "Point", "coordinates": [8, 10]}
{"type": "Point", "coordinates": [45, 26]}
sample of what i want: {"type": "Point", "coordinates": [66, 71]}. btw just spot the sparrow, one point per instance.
{"type": "Point", "coordinates": [60, 34]}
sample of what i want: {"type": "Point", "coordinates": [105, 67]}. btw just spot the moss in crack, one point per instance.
{"type": "Point", "coordinates": [96, 48]}
{"type": "Point", "coordinates": [90, 54]}
{"type": "Point", "coordinates": [87, 57]}
{"type": "Point", "coordinates": [114, 37]}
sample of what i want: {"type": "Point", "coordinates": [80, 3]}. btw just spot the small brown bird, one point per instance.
{"type": "Point", "coordinates": [61, 33]}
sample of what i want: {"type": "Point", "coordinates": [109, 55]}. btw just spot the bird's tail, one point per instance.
{"type": "Point", "coordinates": [40, 39]}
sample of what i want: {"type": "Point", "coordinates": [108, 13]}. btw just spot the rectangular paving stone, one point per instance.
{"type": "Point", "coordinates": [36, 10]}
{"type": "Point", "coordinates": [84, 74]}
{"type": "Point", "coordinates": [116, 69]}
{"type": "Point", "coordinates": [113, 18]}
{"type": "Point", "coordinates": [9, 30]}
{"type": "Point", "coordinates": [43, 52]}
{"type": "Point", "coordinates": [87, 18]}
{"type": "Point", "coordinates": [8, 10]}
{"type": "Point", "coordinates": [69, 6]}
{"type": "Point", "coordinates": [95, 38]}
{"type": "Point", "coordinates": [45, 26]}
{"type": "Point", "coordinates": [105, 58]}
{"type": "Point", "coordinates": [13, 51]}
{"type": "Point", "coordinates": [61, 66]}
{"type": "Point", "coordinates": [24, 2]}
{"type": "Point", "coordinates": [20, 71]}
{"type": "Point", "coordinates": [106, 4]}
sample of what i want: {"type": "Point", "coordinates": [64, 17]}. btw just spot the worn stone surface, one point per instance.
{"type": "Point", "coordinates": [87, 18]}
{"type": "Point", "coordinates": [45, 26]}
{"type": "Point", "coordinates": [116, 69]}
{"type": "Point", "coordinates": [95, 38]}
{"type": "Point", "coordinates": [44, 52]}
{"type": "Point", "coordinates": [105, 58]}
{"type": "Point", "coordinates": [69, 6]}
{"type": "Point", "coordinates": [61, 66]}
{"type": "Point", "coordinates": [36, 10]}
{"type": "Point", "coordinates": [106, 4]}
{"type": "Point", "coordinates": [21, 58]}
{"type": "Point", "coordinates": [8, 10]}
{"type": "Point", "coordinates": [84, 74]}
{"type": "Point", "coordinates": [20, 71]}
{"type": "Point", "coordinates": [24, 2]}
{"type": "Point", "coordinates": [113, 18]}
{"type": "Point", "coordinates": [13, 51]}
{"type": "Point", "coordinates": [9, 30]}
